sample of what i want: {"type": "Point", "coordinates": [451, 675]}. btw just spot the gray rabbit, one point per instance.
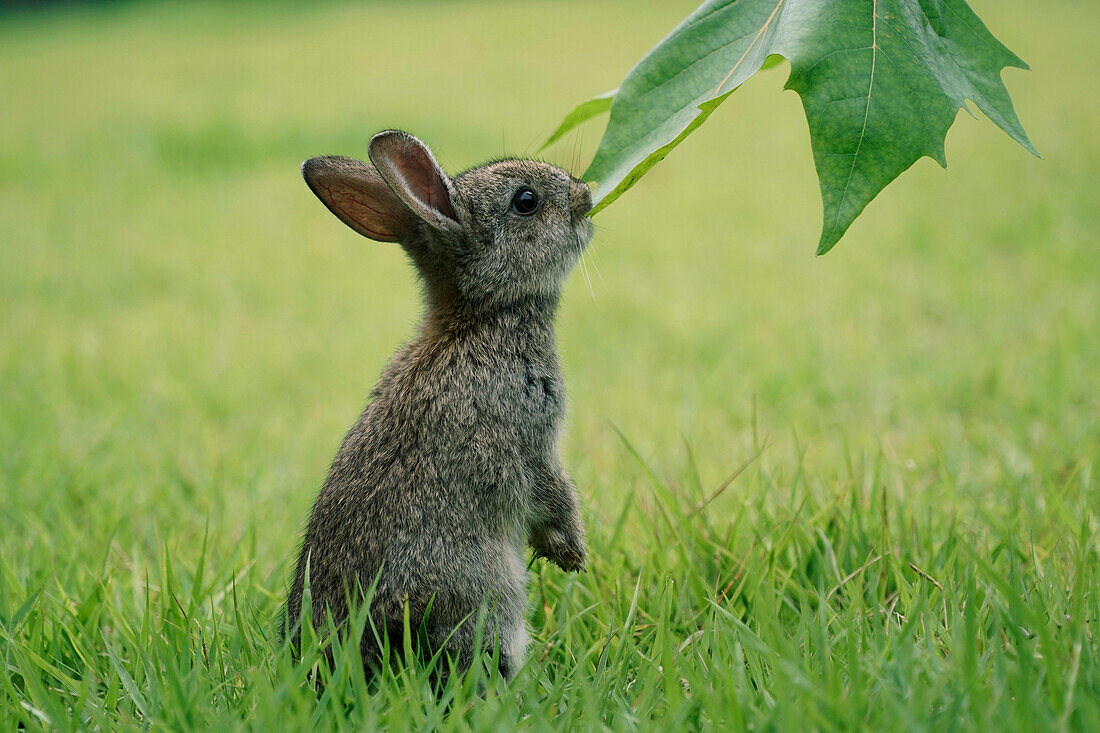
{"type": "Point", "coordinates": [453, 469]}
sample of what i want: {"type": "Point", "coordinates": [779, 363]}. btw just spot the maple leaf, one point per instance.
{"type": "Point", "coordinates": [881, 81]}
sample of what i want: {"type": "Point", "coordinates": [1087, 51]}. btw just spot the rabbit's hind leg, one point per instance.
{"type": "Point", "coordinates": [454, 647]}
{"type": "Point", "coordinates": [513, 647]}
{"type": "Point", "coordinates": [457, 643]}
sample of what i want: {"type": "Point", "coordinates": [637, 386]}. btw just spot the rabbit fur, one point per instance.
{"type": "Point", "coordinates": [452, 470]}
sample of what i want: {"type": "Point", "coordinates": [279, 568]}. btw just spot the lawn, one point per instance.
{"type": "Point", "coordinates": [850, 492]}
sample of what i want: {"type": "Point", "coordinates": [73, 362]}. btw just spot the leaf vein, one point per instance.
{"type": "Point", "coordinates": [759, 33]}
{"type": "Point", "coordinates": [838, 101]}
{"type": "Point", "coordinates": [814, 65]}
{"type": "Point", "coordinates": [696, 21]}
{"type": "Point", "coordinates": [909, 87]}
{"type": "Point", "coordinates": [998, 48]}
{"type": "Point", "coordinates": [919, 55]}
{"type": "Point", "coordinates": [687, 68]}
{"type": "Point", "coordinates": [866, 112]}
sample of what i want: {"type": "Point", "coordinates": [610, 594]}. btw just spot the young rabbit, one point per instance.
{"type": "Point", "coordinates": [452, 469]}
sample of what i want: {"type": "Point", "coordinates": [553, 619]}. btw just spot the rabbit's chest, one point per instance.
{"type": "Point", "coordinates": [543, 393]}
{"type": "Point", "coordinates": [526, 398]}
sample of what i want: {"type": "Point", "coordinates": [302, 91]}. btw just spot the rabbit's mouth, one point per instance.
{"type": "Point", "coordinates": [580, 198]}
{"type": "Point", "coordinates": [582, 227]}
{"type": "Point", "coordinates": [580, 203]}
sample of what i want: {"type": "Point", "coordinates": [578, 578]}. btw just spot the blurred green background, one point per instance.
{"type": "Point", "coordinates": [186, 333]}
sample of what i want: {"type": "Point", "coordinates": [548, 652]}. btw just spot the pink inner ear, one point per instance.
{"type": "Point", "coordinates": [418, 169]}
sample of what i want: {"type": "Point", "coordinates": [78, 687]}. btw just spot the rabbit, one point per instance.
{"type": "Point", "coordinates": [453, 468]}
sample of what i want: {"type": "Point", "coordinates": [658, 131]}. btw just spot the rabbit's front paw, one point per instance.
{"type": "Point", "coordinates": [565, 550]}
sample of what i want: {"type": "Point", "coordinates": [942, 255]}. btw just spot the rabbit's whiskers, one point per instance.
{"type": "Point", "coordinates": [587, 280]}
{"type": "Point", "coordinates": [595, 266]}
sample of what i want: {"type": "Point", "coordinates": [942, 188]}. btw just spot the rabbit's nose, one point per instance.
{"type": "Point", "coordinates": [580, 197]}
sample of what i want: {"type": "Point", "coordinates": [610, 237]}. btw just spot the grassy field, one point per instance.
{"type": "Point", "coordinates": [850, 492]}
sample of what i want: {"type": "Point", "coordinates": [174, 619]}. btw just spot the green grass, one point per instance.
{"type": "Point", "coordinates": [185, 335]}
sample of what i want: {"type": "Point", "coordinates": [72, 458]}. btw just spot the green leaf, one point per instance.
{"type": "Point", "coordinates": [881, 82]}
{"type": "Point", "coordinates": [127, 681]}
{"type": "Point", "coordinates": [676, 87]}
{"type": "Point", "coordinates": [582, 113]}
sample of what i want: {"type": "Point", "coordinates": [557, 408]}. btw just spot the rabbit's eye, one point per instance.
{"type": "Point", "coordinates": [525, 202]}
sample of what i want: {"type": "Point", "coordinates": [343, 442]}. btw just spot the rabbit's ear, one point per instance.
{"type": "Point", "coordinates": [413, 173]}
{"type": "Point", "coordinates": [359, 196]}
